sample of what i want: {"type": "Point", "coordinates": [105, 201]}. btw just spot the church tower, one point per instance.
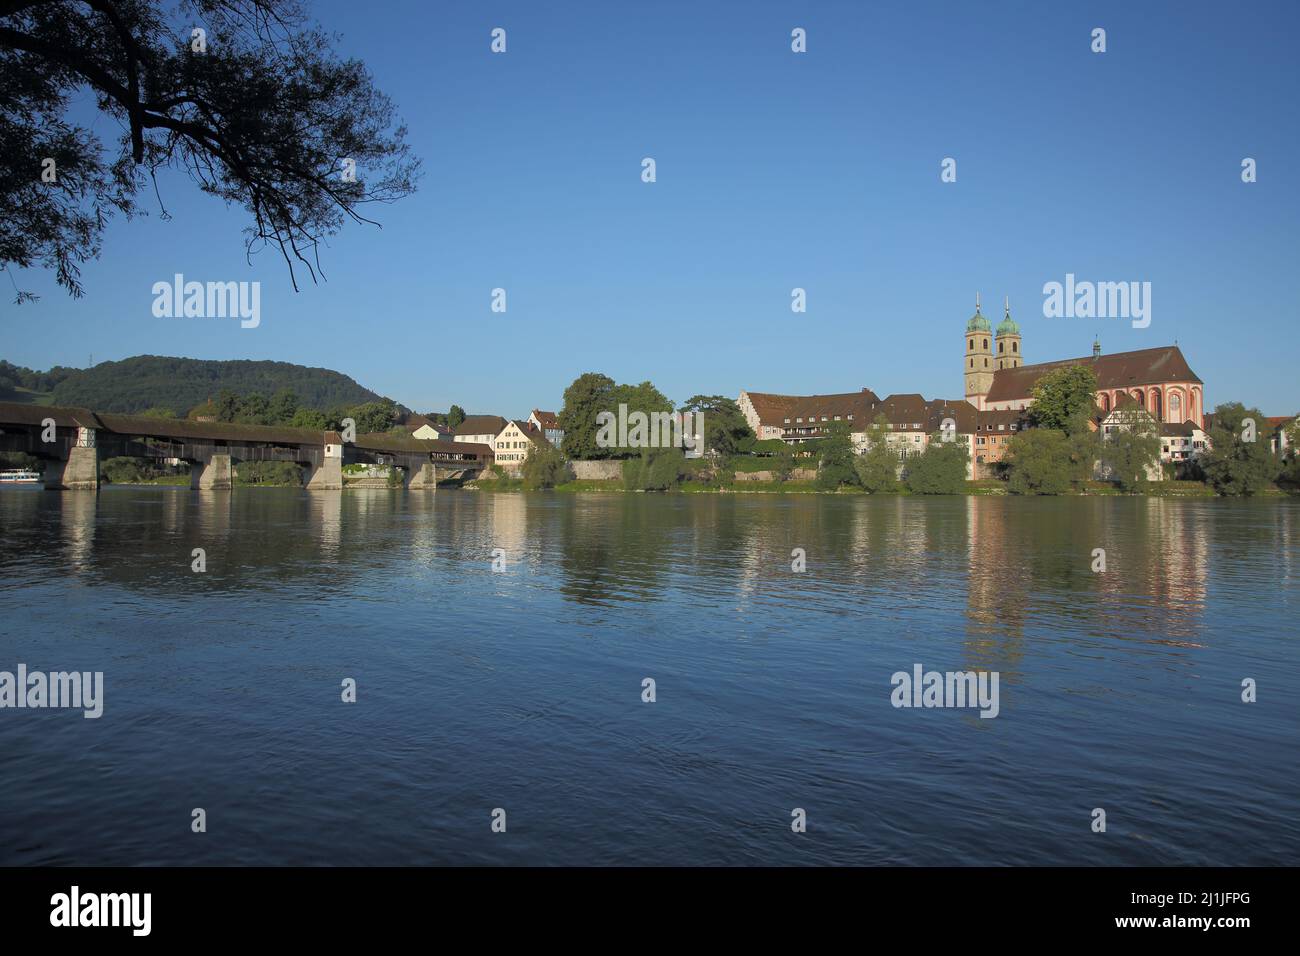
{"type": "Point", "coordinates": [979, 357]}
{"type": "Point", "coordinates": [1009, 340]}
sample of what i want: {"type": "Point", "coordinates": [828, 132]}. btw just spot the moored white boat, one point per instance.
{"type": "Point", "coordinates": [19, 476]}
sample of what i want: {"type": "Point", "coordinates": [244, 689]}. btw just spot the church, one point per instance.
{"type": "Point", "coordinates": [1158, 379]}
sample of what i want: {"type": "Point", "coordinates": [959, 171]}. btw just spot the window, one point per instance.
{"type": "Point", "coordinates": [986, 363]}
{"type": "Point", "coordinates": [986, 343]}
{"type": "Point", "coordinates": [787, 421]}
{"type": "Point", "coordinates": [972, 363]}
{"type": "Point", "coordinates": [1015, 346]}
{"type": "Point", "coordinates": [1002, 346]}
{"type": "Point", "coordinates": [799, 419]}
{"type": "Point", "coordinates": [972, 345]}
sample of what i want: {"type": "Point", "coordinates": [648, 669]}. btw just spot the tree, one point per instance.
{"type": "Point", "coordinates": [725, 428]}
{"type": "Point", "coordinates": [835, 463]}
{"type": "Point", "coordinates": [374, 416]}
{"type": "Point", "coordinates": [1063, 398]}
{"type": "Point", "coordinates": [1239, 460]}
{"type": "Point", "coordinates": [644, 398]}
{"type": "Point", "coordinates": [283, 407]}
{"type": "Point", "coordinates": [544, 467]}
{"type": "Point", "coordinates": [877, 467]}
{"type": "Point", "coordinates": [939, 470]}
{"type": "Point", "coordinates": [1129, 452]}
{"type": "Point", "coordinates": [455, 416]}
{"type": "Point", "coordinates": [1038, 462]}
{"type": "Point", "coordinates": [228, 406]}
{"type": "Point", "coordinates": [259, 111]}
{"type": "Point", "coordinates": [588, 396]}
{"type": "Point", "coordinates": [655, 469]}
{"type": "Point", "coordinates": [783, 463]}
{"type": "Point", "coordinates": [592, 394]}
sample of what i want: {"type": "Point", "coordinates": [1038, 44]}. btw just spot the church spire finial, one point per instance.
{"type": "Point", "coordinates": [1006, 305]}
{"type": "Point", "coordinates": [977, 301]}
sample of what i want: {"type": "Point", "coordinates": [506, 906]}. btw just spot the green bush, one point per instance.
{"type": "Point", "coordinates": [1038, 462]}
{"type": "Point", "coordinates": [545, 467]}
{"type": "Point", "coordinates": [657, 469]}
{"type": "Point", "coordinates": [1239, 461]}
{"type": "Point", "coordinates": [940, 469]}
{"type": "Point", "coordinates": [123, 470]}
{"type": "Point", "coordinates": [877, 468]}
{"type": "Point", "coordinates": [268, 473]}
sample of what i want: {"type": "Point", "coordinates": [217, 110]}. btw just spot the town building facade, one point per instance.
{"type": "Point", "coordinates": [480, 429]}
{"type": "Point", "coordinates": [548, 423]}
{"type": "Point", "coordinates": [1159, 379]}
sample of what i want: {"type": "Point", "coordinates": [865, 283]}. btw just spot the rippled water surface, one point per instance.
{"type": "Point", "coordinates": [522, 689]}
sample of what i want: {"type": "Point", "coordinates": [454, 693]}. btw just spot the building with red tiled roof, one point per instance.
{"type": "Point", "coordinates": [480, 429]}
{"type": "Point", "coordinates": [1159, 379]}
{"type": "Point", "coordinates": [549, 424]}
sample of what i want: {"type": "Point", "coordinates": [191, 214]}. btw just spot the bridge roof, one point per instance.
{"type": "Point", "coordinates": [14, 413]}
{"type": "Point", "coordinates": [383, 441]}
{"type": "Point", "coordinates": [185, 428]}
{"type": "Point", "coordinates": [18, 413]}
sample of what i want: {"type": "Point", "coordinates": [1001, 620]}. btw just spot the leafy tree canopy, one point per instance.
{"type": "Point", "coordinates": [1038, 462]}
{"type": "Point", "coordinates": [877, 467]}
{"type": "Point", "coordinates": [544, 467]}
{"type": "Point", "coordinates": [940, 469]}
{"type": "Point", "coordinates": [1132, 449]}
{"type": "Point", "coordinates": [1239, 460]}
{"type": "Point", "coordinates": [835, 457]}
{"type": "Point", "coordinates": [1064, 398]}
{"type": "Point", "coordinates": [587, 397]}
{"type": "Point", "coordinates": [258, 111]}
{"type": "Point", "coordinates": [726, 432]}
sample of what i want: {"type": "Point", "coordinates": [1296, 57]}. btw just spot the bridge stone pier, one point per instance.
{"type": "Point", "coordinates": [328, 475]}
{"type": "Point", "coordinates": [216, 474]}
{"type": "Point", "coordinates": [79, 472]}
{"type": "Point", "coordinates": [424, 478]}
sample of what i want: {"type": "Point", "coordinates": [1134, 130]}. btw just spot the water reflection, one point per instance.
{"type": "Point", "coordinates": [1004, 562]}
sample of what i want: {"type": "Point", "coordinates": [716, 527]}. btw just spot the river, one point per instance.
{"type": "Point", "coordinates": [522, 689]}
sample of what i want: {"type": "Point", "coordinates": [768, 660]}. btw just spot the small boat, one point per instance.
{"type": "Point", "coordinates": [19, 476]}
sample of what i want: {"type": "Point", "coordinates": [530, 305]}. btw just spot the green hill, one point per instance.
{"type": "Point", "coordinates": [178, 384]}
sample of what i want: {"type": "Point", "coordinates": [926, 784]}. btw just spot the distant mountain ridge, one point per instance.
{"type": "Point", "coordinates": [158, 381]}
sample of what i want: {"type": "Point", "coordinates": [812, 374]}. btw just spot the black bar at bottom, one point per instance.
{"type": "Point", "coordinates": [333, 906]}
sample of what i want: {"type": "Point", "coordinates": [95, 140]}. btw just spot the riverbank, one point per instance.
{"type": "Point", "coordinates": [987, 487]}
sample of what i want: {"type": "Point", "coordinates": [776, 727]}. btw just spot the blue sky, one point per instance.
{"type": "Point", "coordinates": [775, 170]}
